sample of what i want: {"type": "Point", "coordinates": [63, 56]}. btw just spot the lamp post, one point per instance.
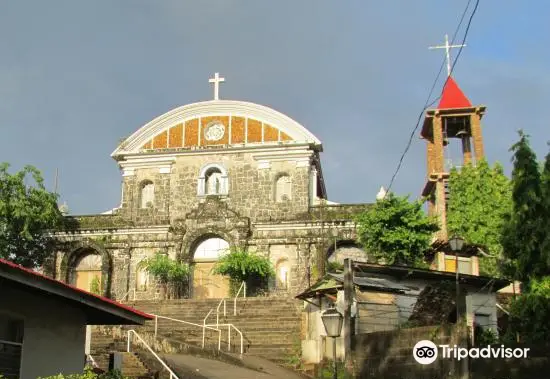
{"type": "Point", "coordinates": [456, 244]}
{"type": "Point", "coordinates": [333, 320]}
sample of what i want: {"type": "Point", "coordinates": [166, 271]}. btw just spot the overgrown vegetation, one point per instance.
{"type": "Point", "coordinates": [95, 286]}
{"type": "Point", "coordinates": [27, 211]}
{"type": "Point", "coordinates": [335, 267]}
{"type": "Point", "coordinates": [242, 266]}
{"type": "Point", "coordinates": [173, 276]}
{"type": "Point", "coordinates": [480, 198]}
{"type": "Point", "coordinates": [529, 314]}
{"type": "Point", "coordinates": [88, 374]}
{"type": "Point", "coordinates": [396, 231]}
{"type": "Point", "coordinates": [326, 370]}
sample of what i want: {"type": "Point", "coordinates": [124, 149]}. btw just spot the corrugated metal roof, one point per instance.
{"type": "Point", "coordinates": [373, 282]}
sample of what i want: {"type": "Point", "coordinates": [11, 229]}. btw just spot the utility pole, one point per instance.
{"type": "Point", "coordinates": [55, 181]}
{"type": "Point", "coordinates": [348, 299]}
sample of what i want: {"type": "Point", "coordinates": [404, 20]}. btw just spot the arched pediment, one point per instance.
{"type": "Point", "coordinates": [216, 123]}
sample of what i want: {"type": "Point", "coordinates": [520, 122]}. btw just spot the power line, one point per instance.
{"type": "Point", "coordinates": [428, 103]}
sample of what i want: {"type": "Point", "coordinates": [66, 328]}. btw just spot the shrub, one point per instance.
{"type": "Point", "coordinates": [95, 286]}
{"type": "Point", "coordinates": [87, 374]}
{"type": "Point", "coordinates": [241, 266]}
{"type": "Point", "coordinates": [172, 275]}
{"type": "Point", "coordinates": [529, 314]}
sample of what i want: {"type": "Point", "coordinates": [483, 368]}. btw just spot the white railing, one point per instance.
{"type": "Point", "coordinates": [203, 326]}
{"type": "Point", "coordinates": [218, 311]}
{"type": "Point", "coordinates": [91, 360]}
{"type": "Point", "coordinates": [241, 288]}
{"type": "Point", "coordinates": [127, 295]}
{"type": "Point", "coordinates": [229, 327]}
{"type": "Point", "coordinates": [11, 343]}
{"type": "Point", "coordinates": [130, 332]}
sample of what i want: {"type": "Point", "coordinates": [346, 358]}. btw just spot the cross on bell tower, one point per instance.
{"type": "Point", "coordinates": [447, 48]}
{"type": "Point", "coordinates": [455, 118]}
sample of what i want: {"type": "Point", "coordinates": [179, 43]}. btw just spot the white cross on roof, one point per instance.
{"type": "Point", "coordinates": [216, 80]}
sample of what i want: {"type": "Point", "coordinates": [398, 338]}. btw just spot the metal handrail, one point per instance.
{"type": "Point", "coordinates": [11, 343]}
{"type": "Point", "coordinates": [126, 296]}
{"type": "Point", "coordinates": [229, 326]}
{"type": "Point", "coordinates": [242, 287]}
{"type": "Point", "coordinates": [172, 375]}
{"type": "Point", "coordinates": [92, 360]}
{"type": "Point", "coordinates": [204, 327]}
{"type": "Point", "coordinates": [218, 310]}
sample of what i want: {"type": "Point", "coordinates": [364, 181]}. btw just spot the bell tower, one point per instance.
{"type": "Point", "coordinates": [454, 121]}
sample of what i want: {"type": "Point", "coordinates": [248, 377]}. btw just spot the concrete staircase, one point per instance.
{"type": "Point", "coordinates": [270, 326]}
{"type": "Point", "coordinates": [132, 366]}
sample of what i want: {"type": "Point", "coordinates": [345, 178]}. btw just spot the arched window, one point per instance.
{"type": "Point", "coordinates": [283, 188]}
{"type": "Point", "coordinates": [147, 194]}
{"type": "Point", "coordinates": [213, 180]}
{"type": "Point", "coordinates": [211, 249]}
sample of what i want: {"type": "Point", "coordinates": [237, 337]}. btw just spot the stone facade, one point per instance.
{"type": "Point", "coordinates": [297, 231]}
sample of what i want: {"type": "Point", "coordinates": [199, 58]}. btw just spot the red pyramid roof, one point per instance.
{"type": "Point", "coordinates": [452, 96]}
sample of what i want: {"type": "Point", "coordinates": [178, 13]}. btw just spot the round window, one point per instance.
{"type": "Point", "coordinates": [214, 132]}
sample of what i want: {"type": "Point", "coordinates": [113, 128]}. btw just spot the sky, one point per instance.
{"type": "Point", "coordinates": [76, 77]}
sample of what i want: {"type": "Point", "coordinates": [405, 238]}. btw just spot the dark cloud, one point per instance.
{"type": "Point", "coordinates": [77, 77]}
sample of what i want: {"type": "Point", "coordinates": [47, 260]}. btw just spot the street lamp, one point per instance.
{"type": "Point", "coordinates": [332, 320]}
{"type": "Point", "coordinates": [456, 244]}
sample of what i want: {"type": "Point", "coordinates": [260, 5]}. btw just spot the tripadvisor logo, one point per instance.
{"type": "Point", "coordinates": [426, 352]}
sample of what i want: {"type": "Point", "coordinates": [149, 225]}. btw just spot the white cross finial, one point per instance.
{"type": "Point", "coordinates": [447, 48]}
{"type": "Point", "coordinates": [216, 80]}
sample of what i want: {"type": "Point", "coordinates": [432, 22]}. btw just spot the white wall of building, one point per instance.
{"type": "Point", "coordinates": [54, 334]}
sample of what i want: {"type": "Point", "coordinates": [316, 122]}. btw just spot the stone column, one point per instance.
{"type": "Point", "coordinates": [430, 157]}
{"type": "Point", "coordinates": [441, 210]}
{"type": "Point", "coordinates": [466, 150]}
{"type": "Point", "coordinates": [438, 156]}
{"type": "Point", "coordinates": [475, 125]}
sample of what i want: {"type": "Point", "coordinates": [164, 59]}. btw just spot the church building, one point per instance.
{"type": "Point", "coordinates": [199, 180]}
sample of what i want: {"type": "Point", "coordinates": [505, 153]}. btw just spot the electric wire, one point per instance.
{"type": "Point", "coordinates": [428, 102]}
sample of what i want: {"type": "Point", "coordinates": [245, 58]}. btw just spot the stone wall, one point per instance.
{"type": "Point", "coordinates": [179, 219]}
{"type": "Point", "coordinates": [388, 354]}
{"type": "Point", "coordinates": [250, 191]}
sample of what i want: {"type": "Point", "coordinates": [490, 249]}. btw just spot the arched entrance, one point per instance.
{"type": "Point", "coordinates": [88, 269]}
{"type": "Point", "coordinates": [88, 273]}
{"type": "Point", "coordinates": [206, 253]}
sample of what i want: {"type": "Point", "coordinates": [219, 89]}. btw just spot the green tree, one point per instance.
{"type": "Point", "coordinates": [523, 233]}
{"type": "Point", "coordinates": [529, 314]}
{"type": "Point", "coordinates": [480, 199]}
{"type": "Point", "coordinates": [27, 212]}
{"type": "Point", "coordinates": [396, 230]}
{"type": "Point", "coordinates": [545, 222]}
{"type": "Point", "coordinates": [242, 266]}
